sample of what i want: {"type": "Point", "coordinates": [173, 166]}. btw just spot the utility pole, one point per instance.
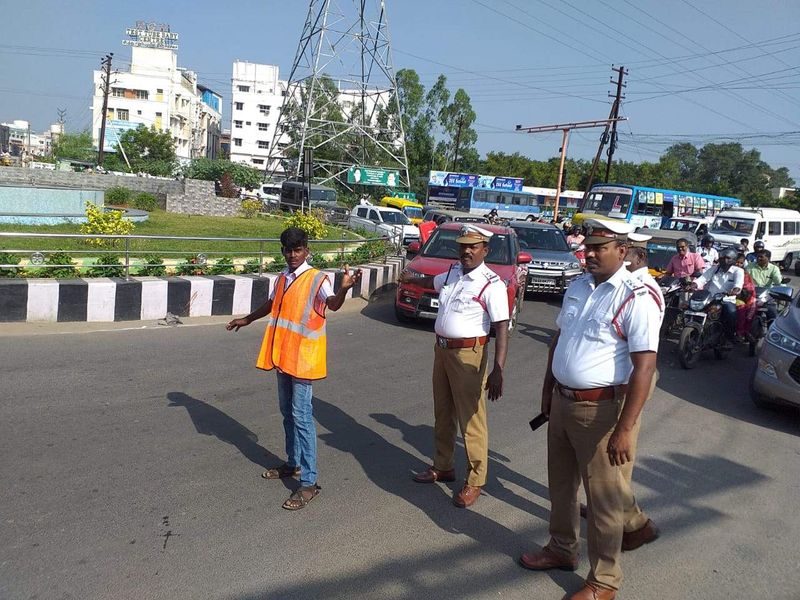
{"type": "Point", "coordinates": [458, 141]}
{"type": "Point", "coordinates": [604, 137]}
{"type": "Point", "coordinates": [106, 78]}
{"type": "Point", "coordinates": [565, 128]}
{"type": "Point", "coordinates": [612, 142]}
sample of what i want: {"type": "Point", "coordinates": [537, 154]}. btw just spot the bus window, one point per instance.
{"type": "Point", "coordinates": [762, 227]}
{"type": "Point", "coordinates": [516, 200]}
{"type": "Point", "coordinates": [480, 196]}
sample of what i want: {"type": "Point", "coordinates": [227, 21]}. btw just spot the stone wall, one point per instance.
{"type": "Point", "coordinates": [88, 181]}
{"type": "Point", "coordinates": [199, 199]}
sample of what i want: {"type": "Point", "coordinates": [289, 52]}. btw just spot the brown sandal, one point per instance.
{"type": "Point", "coordinates": [300, 498]}
{"type": "Point", "coordinates": [280, 472]}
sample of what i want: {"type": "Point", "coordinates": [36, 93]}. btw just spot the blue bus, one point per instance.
{"type": "Point", "coordinates": [529, 203]}
{"type": "Point", "coordinates": [649, 207]}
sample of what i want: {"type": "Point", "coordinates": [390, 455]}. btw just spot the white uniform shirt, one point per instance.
{"type": "Point", "coordinates": [460, 314]}
{"type": "Point", "coordinates": [590, 353]}
{"type": "Point", "coordinates": [325, 290]}
{"type": "Point", "coordinates": [709, 255]}
{"type": "Point", "coordinates": [644, 276]}
{"type": "Point", "coordinates": [717, 281]}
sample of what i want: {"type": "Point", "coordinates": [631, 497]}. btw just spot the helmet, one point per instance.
{"type": "Point", "coordinates": [758, 245]}
{"type": "Point", "coordinates": [707, 239]}
{"type": "Point", "coordinates": [729, 253]}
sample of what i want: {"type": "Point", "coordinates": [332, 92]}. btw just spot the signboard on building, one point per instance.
{"type": "Point", "coordinates": [151, 35]}
{"type": "Point", "coordinates": [114, 131]}
{"type": "Point", "coordinates": [469, 180]}
{"type": "Point", "coordinates": [370, 176]}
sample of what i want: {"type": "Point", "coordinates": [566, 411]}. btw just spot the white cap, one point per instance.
{"type": "Point", "coordinates": [602, 231]}
{"type": "Point", "coordinates": [472, 234]}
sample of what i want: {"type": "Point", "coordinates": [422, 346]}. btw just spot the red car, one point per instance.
{"type": "Point", "coordinates": [441, 251]}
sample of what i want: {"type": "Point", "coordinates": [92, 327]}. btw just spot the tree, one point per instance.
{"type": "Point", "coordinates": [207, 169]}
{"type": "Point", "coordinates": [74, 146]}
{"type": "Point", "coordinates": [148, 150]}
{"type": "Point", "coordinates": [459, 137]}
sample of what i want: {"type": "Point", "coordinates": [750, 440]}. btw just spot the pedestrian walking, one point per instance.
{"type": "Point", "coordinates": [294, 346]}
{"type": "Point", "coordinates": [472, 298]}
{"type": "Point", "coordinates": [599, 374]}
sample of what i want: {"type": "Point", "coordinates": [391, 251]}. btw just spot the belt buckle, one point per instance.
{"type": "Point", "coordinates": [441, 341]}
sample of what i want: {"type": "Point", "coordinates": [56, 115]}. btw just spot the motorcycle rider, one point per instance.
{"type": "Point", "coordinates": [685, 263]}
{"type": "Point", "coordinates": [764, 275]}
{"type": "Point", "coordinates": [707, 252]}
{"type": "Point", "coordinates": [752, 257]}
{"type": "Point", "coordinates": [724, 278]}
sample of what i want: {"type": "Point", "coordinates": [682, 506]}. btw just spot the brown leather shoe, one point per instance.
{"type": "Point", "coordinates": [432, 475]}
{"type": "Point", "coordinates": [547, 559]}
{"type": "Point", "coordinates": [634, 539]}
{"type": "Point", "coordinates": [467, 496]}
{"type": "Point", "coordinates": [591, 591]}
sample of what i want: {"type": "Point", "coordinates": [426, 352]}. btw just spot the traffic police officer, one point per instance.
{"type": "Point", "coordinates": [599, 374]}
{"type": "Point", "coordinates": [471, 299]}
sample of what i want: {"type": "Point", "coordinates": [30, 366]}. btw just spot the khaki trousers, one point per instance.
{"type": "Point", "coordinates": [577, 439]}
{"type": "Point", "coordinates": [459, 376]}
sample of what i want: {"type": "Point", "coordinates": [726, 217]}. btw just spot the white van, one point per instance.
{"type": "Point", "coordinates": [778, 228]}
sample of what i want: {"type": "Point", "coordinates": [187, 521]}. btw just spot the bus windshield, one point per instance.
{"type": "Point", "coordinates": [732, 226]}
{"type": "Point", "coordinates": [609, 203]}
{"type": "Point", "coordinates": [323, 195]}
{"type": "Point", "coordinates": [412, 212]}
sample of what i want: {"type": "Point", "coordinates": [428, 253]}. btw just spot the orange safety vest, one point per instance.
{"type": "Point", "coordinates": [295, 340]}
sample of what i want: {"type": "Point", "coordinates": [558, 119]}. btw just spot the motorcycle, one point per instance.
{"type": "Point", "coordinates": [703, 328]}
{"type": "Point", "coordinates": [676, 292]}
{"type": "Point", "coordinates": [777, 298]}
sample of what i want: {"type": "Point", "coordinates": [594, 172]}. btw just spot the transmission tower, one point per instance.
{"type": "Point", "coordinates": [340, 99]}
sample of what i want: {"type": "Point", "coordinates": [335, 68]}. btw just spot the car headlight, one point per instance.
{"type": "Point", "coordinates": [697, 304]}
{"type": "Point", "coordinates": [784, 341]}
{"type": "Point", "coordinates": [413, 273]}
{"type": "Point", "coordinates": [575, 265]}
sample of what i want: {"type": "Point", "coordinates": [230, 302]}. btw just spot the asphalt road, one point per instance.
{"type": "Point", "coordinates": [131, 460]}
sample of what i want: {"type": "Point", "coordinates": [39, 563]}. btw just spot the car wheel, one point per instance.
{"type": "Point", "coordinates": [402, 316]}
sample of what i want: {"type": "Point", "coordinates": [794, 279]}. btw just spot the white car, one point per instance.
{"type": "Point", "coordinates": [384, 221]}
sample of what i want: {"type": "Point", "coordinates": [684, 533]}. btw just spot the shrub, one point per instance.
{"type": "Point", "coordinates": [229, 189]}
{"type": "Point", "coordinates": [367, 252]}
{"type": "Point", "coordinates": [223, 266]}
{"type": "Point", "coordinates": [153, 266]}
{"type": "Point", "coordinates": [250, 208]}
{"type": "Point", "coordinates": [145, 201]}
{"type": "Point", "coordinates": [192, 266]}
{"type": "Point", "coordinates": [318, 261]}
{"type": "Point", "coordinates": [62, 272]}
{"type": "Point", "coordinates": [114, 266]}
{"type": "Point", "coordinates": [310, 222]}
{"type": "Point", "coordinates": [9, 259]}
{"type": "Point", "coordinates": [104, 222]}
{"type": "Point", "coordinates": [251, 266]}
{"type": "Point", "coordinates": [119, 196]}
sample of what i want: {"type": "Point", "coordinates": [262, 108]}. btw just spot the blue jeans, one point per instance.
{"type": "Point", "coordinates": [294, 398]}
{"type": "Point", "coordinates": [729, 318]}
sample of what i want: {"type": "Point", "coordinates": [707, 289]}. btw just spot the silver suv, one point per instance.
{"type": "Point", "coordinates": [554, 263]}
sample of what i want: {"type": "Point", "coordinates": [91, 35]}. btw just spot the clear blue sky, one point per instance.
{"type": "Point", "coordinates": [739, 59]}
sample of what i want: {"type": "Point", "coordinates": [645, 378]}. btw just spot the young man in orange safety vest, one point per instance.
{"type": "Point", "coordinates": [295, 346]}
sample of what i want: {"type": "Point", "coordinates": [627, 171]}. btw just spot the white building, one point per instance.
{"type": "Point", "coordinates": [156, 92]}
{"type": "Point", "coordinates": [257, 95]}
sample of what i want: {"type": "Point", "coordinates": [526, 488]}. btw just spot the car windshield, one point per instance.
{"type": "Point", "coordinates": [412, 212]}
{"type": "Point", "coordinates": [659, 254]}
{"type": "Point", "coordinates": [323, 195]}
{"type": "Point", "coordinates": [541, 239]}
{"type": "Point", "coordinates": [732, 226]}
{"type": "Point", "coordinates": [442, 244]}
{"type": "Point", "coordinates": [397, 218]}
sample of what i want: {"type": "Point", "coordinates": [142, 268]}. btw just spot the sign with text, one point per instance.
{"type": "Point", "coordinates": [151, 35]}
{"type": "Point", "coordinates": [372, 176]}
{"type": "Point", "coordinates": [469, 180]}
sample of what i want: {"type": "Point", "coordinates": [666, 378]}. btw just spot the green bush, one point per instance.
{"type": "Point", "coordinates": [9, 259]}
{"type": "Point", "coordinates": [61, 272]}
{"type": "Point", "coordinates": [208, 169]}
{"type": "Point", "coordinates": [114, 268]}
{"type": "Point", "coordinates": [222, 266]}
{"type": "Point", "coordinates": [367, 251]}
{"type": "Point", "coordinates": [251, 266]}
{"type": "Point", "coordinates": [153, 266]}
{"type": "Point", "coordinates": [192, 266]}
{"type": "Point", "coordinates": [318, 261]}
{"type": "Point", "coordinates": [311, 222]}
{"type": "Point", "coordinates": [250, 208]}
{"type": "Point", "coordinates": [145, 201]}
{"type": "Point", "coordinates": [118, 196]}
{"type": "Point", "coordinates": [104, 222]}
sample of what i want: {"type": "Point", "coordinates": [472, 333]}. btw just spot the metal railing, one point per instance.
{"type": "Point", "coordinates": [262, 249]}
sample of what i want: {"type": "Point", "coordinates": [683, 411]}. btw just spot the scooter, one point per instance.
{"type": "Point", "coordinates": [703, 328]}
{"type": "Point", "coordinates": [778, 298]}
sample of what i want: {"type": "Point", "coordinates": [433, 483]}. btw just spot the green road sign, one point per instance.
{"type": "Point", "coordinates": [370, 176]}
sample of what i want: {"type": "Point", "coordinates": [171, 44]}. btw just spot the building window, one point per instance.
{"type": "Point", "coordinates": [263, 145]}
{"type": "Point", "coordinates": [118, 92]}
{"type": "Point", "coordinates": [263, 126]}
{"type": "Point", "coordinates": [258, 161]}
{"type": "Point", "coordinates": [248, 123]}
{"type": "Point", "coordinates": [123, 114]}
{"type": "Point", "coordinates": [159, 91]}
{"type": "Point", "coordinates": [141, 94]}
{"type": "Point", "coordinates": [138, 112]}
{"type": "Point", "coordinates": [264, 109]}
{"type": "Point", "coordinates": [243, 88]}
{"type": "Point", "coordinates": [237, 141]}
{"type": "Point", "coordinates": [237, 124]}
{"type": "Point", "coordinates": [158, 114]}
{"type": "Point", "coordinates": [238, 105]}
{"type": "Point", "coordinates": [283, 92]}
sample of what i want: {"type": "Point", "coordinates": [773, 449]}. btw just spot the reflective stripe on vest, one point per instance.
{"type": "Point", "coordinates": [295, 340]}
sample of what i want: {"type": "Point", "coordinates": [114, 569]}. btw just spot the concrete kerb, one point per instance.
{"type": "Point", "coordinates": [107, 299]}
